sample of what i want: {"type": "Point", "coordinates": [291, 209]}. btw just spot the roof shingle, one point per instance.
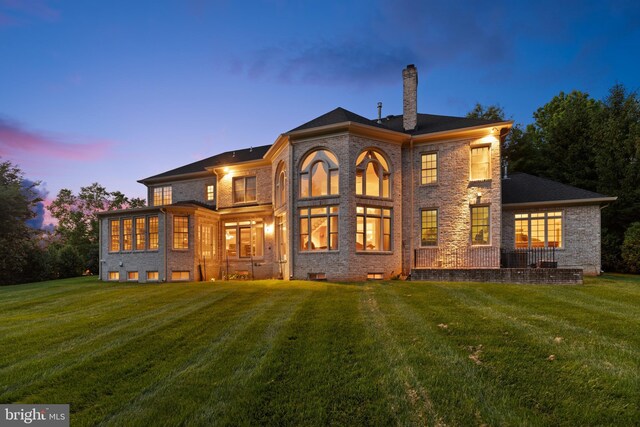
{"type": "Point", "coordinates": [524, 188]}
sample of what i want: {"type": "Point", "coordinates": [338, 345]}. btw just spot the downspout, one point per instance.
{"type": "Point", "coordinates": [165, 243]}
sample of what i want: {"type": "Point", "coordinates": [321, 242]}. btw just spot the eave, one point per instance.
{"type": "Point", "coordinates": [463, 133]}
{"type": "Point", "coordinates": [559, 203]}
{"type": "Point", "coordinates": [351, 127]}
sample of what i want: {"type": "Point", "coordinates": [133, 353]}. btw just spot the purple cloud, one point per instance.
{"type": "Point", "coordinates": [15, 140]}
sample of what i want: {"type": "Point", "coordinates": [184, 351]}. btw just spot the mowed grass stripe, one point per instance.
{"type": "Point", "coordinates": [460, 391]}
{"type": "Point", "coordinates": [528, 342]}
{"type": "Point", "coordinates": [198, 392]}
{"type": "Point", "coordinates": [134, 342]}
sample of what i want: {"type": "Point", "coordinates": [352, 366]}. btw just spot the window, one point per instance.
{"type": "Point", "coordinates": [539, 230]}
{"type": "Point", "coordinates": [180, 232]}
{"type": "Point", "coordinates": [132, 276]}
{"type": "Point", "coordinates": [205, 240]}
{"type": "Point", "coordinates": [319, 174]}
{"type": "Point", "coordinates": [244, 239]}
{"type": "Point", "coordinates": [152, 276]}
{"type": "Point", "coordinates": [153, 232]}
{"type": "Point", "coordinates": [180, 275]}
{"type": "Point", "coordinates": [114, 275]}
{"type": "Point", "coordinates": [317, 276]}
{"type": "Point", "coordinates": [480, 225]}
{"type": "Point", "coordinates": [281, 237]}
{"type": "Point", "coordinates": [211, 193]}
{"type": "Point", "coordinates": [127, 234]}
{"type": "Point", "coordinates": [319, 228]}
{"type": "Point", "coordinates": [373, 229]}
{"type": "Point", "coordinates": [429, 168]}
{"type": "Point", "coordinates": [372, 174]}
{"type": "Point", "coordinates": [375, 276]}
{"type": "Point", "coordinates": [480, 163]}
{"type": "Point", "coordinates": [244, 189]}
{"type": "Point", "coordinates": [141, 234]}
{"type": "Point", "coordinates": [429, 227]}
{"type": "Point", "coordinates": [281, 185]}
{"type": "Point", "coordinates": [162, 196]}
{"type": "Point", "coordinates": [114, 235]}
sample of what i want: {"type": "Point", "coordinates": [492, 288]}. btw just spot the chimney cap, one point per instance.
{"type": "Point", "coordinates": [411, 66]}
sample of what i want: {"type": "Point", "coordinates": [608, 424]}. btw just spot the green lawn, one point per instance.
{"type": "Point", "coordinates": [305, 353]}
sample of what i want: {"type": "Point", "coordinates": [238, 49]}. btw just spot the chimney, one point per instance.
{"type": "Point", "coordinates": [410, 97]}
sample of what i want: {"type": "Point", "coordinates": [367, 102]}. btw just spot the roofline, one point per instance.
{"type": "Point", "coordinates": [181, 176]}
{"type": "Point", "coordinates": [350, 126]}
{"type": "Point", "coordinates": [567, 202]}
{"type": "Point", "coordinates": [240, 165]}
{"type": "Point", "coordinates": [461, 132]}
{"type": "Point", "coordinates": [276, 147]}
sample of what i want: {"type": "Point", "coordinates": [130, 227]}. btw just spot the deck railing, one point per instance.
{"type": "Point", "coordinates": [472, 257]}
{"type": "Point", "coordinates": [528, 258]}
{"type": "Point", "coordinates": [484, 257]}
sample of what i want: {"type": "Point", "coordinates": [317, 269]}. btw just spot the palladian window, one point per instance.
{"type": "Point", "coordinates": [372, 174]}
{"type": "Point", "coordinates": [319, 174]}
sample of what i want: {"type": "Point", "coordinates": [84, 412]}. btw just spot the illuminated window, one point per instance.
{"type": "Point", "coordinates": [372, 174]}
{"type": "Point", "coordinates": [132, 276]}
{"type": "Point", "coordinates": [180, 275]}
{"type": "Point", "coordinates": [211, 192]}
{"type": "Point", "coordinates": [180, 232]}
{"type": "Point", "coordinates": [539, 230]}
{"type": "Point", "coordinates": [319, 174]}
{"type": "Point", "coordinates": [244, 239]}
{"type": "Point", "coordinates": [152, 276]}
{"type": "Point", "coordinates": [114, 235]}
{"type": "Point", "coordinates": [319, 228]}
{"type": "Point", "coordinates": [373, 229]}
{"type": "Point", "coordinates": [244, 189]}
{"type": "Point", "coordinates": [206, 241]}
{"type": "Point", "coordinates": [429, 168]}
{"type": "Point", "coordinates": [375, 276]}
{"type": "Point", "coordinates": [114, 275]}
{"type": "Point", "coordinates": [480, 225]}
{"type": "Point", "coordinates": [127, 234]}
{"type": "Point", "coordinates": [281, 185]}
{"type": "Point", "coordinates": [480, 163]}
{"type": "Point", "coordinates": [141, 234]}
{"type": "Point", "coordinates": [153, 232]}
{"type": "Point", "coordinates": [429, 227]}
{"type": "Point", "coordinates": [162, 196]}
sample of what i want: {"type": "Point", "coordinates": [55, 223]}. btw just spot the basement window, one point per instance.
{"type": "Point", "coordinates": [375, 276]}
{"type": "Point", "coordinates": [317, 276]}
{"type": "Point", "coordinates": [114, 275]}
{"type": "Point", "coordinates": [152, 276]}
{"type": "Point", "coordinates": [180, 275]}
{"type": "Point", "coordinates": [132, 276]}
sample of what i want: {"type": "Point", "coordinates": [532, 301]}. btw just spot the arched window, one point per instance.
{"type": "Point", "coordinates": [319, 174]}
{"type": "Point", "coordinates": [281, 185]}
{"type": "Point", "coordinates": [372, 174]}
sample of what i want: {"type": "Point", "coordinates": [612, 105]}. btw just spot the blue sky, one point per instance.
{"type": "Point", "coordinates": [115, 91]}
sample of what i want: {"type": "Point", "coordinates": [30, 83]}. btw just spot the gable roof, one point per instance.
{"type": "Point", "coordinates": [522, 188]}
{"type": "Point", "coordinates": [226, 158]}
{"type": "Point", "coordinates": [339, 115]}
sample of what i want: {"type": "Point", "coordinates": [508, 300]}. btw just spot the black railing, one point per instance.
{"type": "Point", "coordinates": [528, 258]}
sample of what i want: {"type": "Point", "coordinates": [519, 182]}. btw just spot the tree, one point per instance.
{"type": "Point", "coordinates": [77, 216]}
{"type": "Point", "coordinates": [563, 136]}
{"type": "Point", "coordinates": [631, 248]}
{"type": "Point", "coordinates": [16, 238]}
{"type": "Point", "coordinates": [489, 112]}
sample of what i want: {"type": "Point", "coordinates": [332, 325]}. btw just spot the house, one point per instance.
{"type": "Point", "coordinates": [344, 197]}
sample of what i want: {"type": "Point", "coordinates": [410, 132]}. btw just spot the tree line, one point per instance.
{"type": "Point", "coordinates": [71, 249]}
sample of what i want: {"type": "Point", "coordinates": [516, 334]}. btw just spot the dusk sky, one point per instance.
{"type": "Point", "coordinates": [116, 91]}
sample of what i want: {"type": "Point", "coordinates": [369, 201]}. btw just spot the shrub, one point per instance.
{"type": "Point", "coordinates": [631, 248]}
